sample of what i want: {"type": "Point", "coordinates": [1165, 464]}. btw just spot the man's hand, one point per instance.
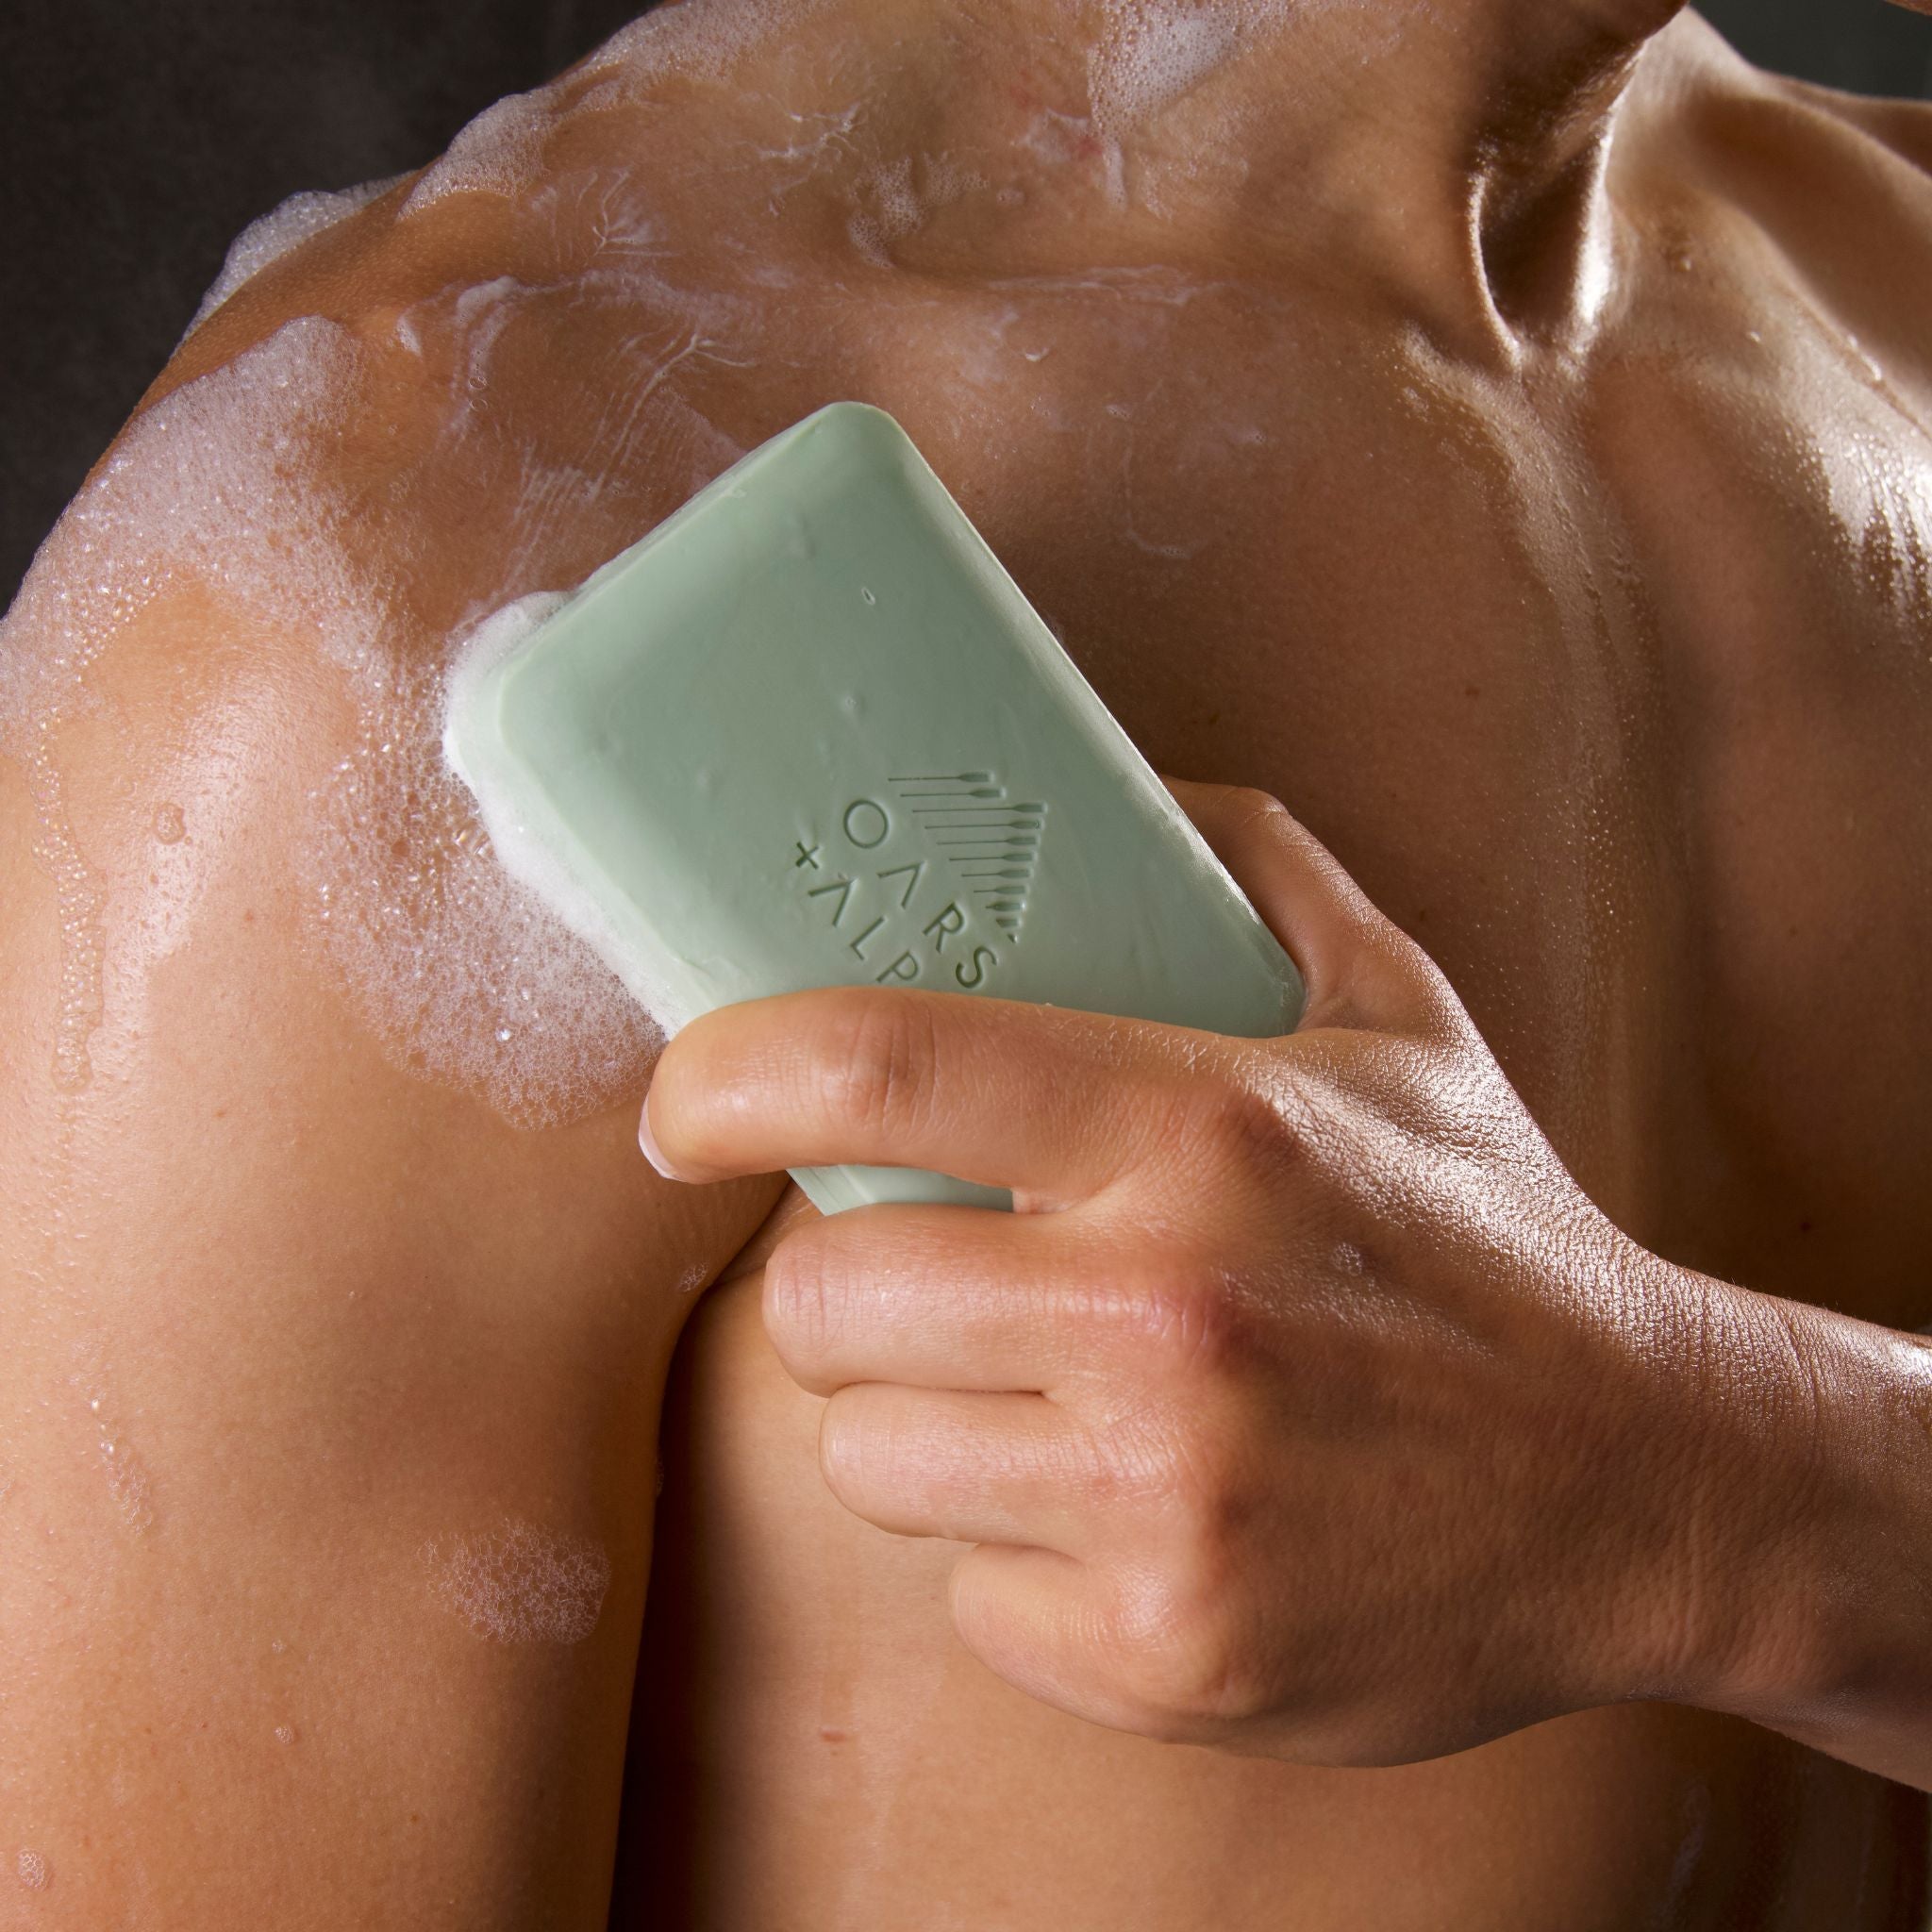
{"type": "Point", "coordinates": [1306, 1407]}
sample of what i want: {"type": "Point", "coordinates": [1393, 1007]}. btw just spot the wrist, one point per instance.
{"type": "Point", "coordinates": [1756, 1538]}
{"type": "Point", "coordinates": [1803, 1600]}
{"type": "Point", "coordinates": [1704, 1415]}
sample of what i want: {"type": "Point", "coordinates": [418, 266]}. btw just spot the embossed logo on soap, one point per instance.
{"type": "Point", "coordinates": [930, 881]}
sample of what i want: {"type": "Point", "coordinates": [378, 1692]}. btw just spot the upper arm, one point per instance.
{"type": "Point", "coordinates": [339, 1300]}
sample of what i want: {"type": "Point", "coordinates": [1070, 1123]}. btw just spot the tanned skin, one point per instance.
{"type": "Point", "coordinates": [1489, 1447]}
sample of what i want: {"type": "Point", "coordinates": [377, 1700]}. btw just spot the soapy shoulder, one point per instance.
{"type": "Point", "coordinates": [596, 189]}
{"type": "Point", "coordinates": [243, 624]}
{"type": "Point", "coordinates": [478, 383]}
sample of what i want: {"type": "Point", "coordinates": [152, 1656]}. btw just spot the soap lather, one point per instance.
{"type": "Point", "coordinates": [808, 731]}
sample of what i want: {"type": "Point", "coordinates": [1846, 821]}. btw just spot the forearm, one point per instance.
{"type": "Point", "coordinates": [1821, 1584]}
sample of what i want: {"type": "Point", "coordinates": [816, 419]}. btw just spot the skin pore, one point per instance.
{"type": "Point", "coordinates": [1503, 445]}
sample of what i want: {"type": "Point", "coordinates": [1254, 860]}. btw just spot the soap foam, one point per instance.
{"type": "Point", "coordinates": [439, 930]}
{"type": "Point", "coordinates": [521, 1584]}
{"type": "Point", "coordinates": [454, 965]}
{"type": "Point", "coordinates": [891, 200]}
{"type": "Point", "coordinates": [286, 225]}
{"type": "Point", "coordinates": [502, 150]}
{"type": "Point", "coordinates": [1150, 52]}
{"type": "Point", "coordinates": [183, 493]}
{"type": "Point", "coordinates": [496, 153]}
{"type": "Point", "coordinates": [459, 966]}
{"type": "Point", "coordinates": [517, 855]}
{"type": "Point", "coordinates": [204, 488]}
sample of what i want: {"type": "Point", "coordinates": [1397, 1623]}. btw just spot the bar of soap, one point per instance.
{"type": "Point", "coordinates": [809, 731]}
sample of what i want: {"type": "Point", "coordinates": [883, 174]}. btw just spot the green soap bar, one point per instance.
{"type": "Point", "coordinates": [809, 731]}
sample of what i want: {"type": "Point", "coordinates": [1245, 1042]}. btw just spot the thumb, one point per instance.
{"type": "Point", "coordinates": [1360, 969]}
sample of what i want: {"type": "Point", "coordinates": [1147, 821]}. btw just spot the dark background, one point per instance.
{"type": "Point", "coordinates": [136, 137]}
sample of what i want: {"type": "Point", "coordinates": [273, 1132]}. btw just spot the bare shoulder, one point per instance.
{"type": "Point", "coordinates": [480, 385]}
{"type": "Point", "coordinates": [1690, 69]}
{"type": "Point", "coordinates": [250, 895]}
{"type": "Point", "coordinates": [338, 1298]}
{"type": "Point", "coordinates": [266, 995]}
{"type": "Point", "coordinates": [235, 642]}
{"type": "Point", "coordinates": [1828, 191]}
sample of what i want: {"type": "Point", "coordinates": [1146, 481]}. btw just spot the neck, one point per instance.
{"type": "Point", "coordinates": [1465, 135]}
{"type": "Point", "coordinates": [1534, 161]}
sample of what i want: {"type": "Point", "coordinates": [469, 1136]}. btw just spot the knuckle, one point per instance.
{"type": "Point", "coordinates": [1258, 1128]}
{"type": "Point", "coordinates": [1178, 1316]}
{"type": "Point", "coordinates": [1123, 1464]}
{"type": "Point", "coordinates": [857, 1447]}
{"type": "Point", "coordinates": [882, 1062]}
{"type": "Point", "coordinates": [1182, 1658]}
{"type": "Point", "coordinates": [1262, 803]}
{"type": "Point", "coordinates": [1439, 1013]}
{"type": "Point", "coordinates": [804, 1303]}
{"type": "Point", "coordinates": [1211, 1505]}
{"type": "Point", "coordinates": [1180, 1642]}
{"type": "Point", "coordinates": [1249, 804]}
{"type": "Point", "coordinates": [1208, 1491]}
{"type": "Point", "coordinates": [1391, 982]}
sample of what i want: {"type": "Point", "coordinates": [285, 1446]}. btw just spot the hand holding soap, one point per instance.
{"type": "Point", "coordinates": [809, 731]}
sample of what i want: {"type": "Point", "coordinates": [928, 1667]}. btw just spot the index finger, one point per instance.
{"type": "Point", "coordinates": [999, 1092]}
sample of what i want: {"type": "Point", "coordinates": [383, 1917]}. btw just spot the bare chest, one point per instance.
{"type": "Point", "coordinates": [1608, 683]}
{"type": "Point", "coordinates": [1616, 698]}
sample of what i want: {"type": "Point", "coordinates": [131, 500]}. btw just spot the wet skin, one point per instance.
{"type": "Point", "coordinates": [1555, 546]}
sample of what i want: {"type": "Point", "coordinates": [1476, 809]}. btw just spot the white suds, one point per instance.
{"type": "Point", "coordinates": [354, 498]}
{"type": "Point", "coordinates": [523, 862]}
{"type": "Point", "coordinates": [522, 1584]}
{"type": "Point", "coordinates": [1150, 52]}
{"type": "Point", "coordinates": [194, 491]}
{"type": "Point", "coordinates": [285, 227]}
{"type": "Point", "coordinates": [496, 153]}
{"type": "Point", "coordinates": [32, 1871]}
{"type": "Point", "coordinates": [205, 487]}
{"type": "Point", "coordinates": [454, 960]}
{"type": "Point", "coordinates": [893, 199]}
{"type": "Point", "coordinates": [451, 963]}
{"type": "Point", "coordinates": [501, 151]}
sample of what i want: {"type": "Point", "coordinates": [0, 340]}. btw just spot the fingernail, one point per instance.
{"type": "Point", "coordinates": [648, 1142]}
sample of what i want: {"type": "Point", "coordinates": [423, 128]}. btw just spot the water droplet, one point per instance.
{"type": "Point", "coordinates": [867, 594]}
{"type": "Point", "coordinates": [1858, 349]}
